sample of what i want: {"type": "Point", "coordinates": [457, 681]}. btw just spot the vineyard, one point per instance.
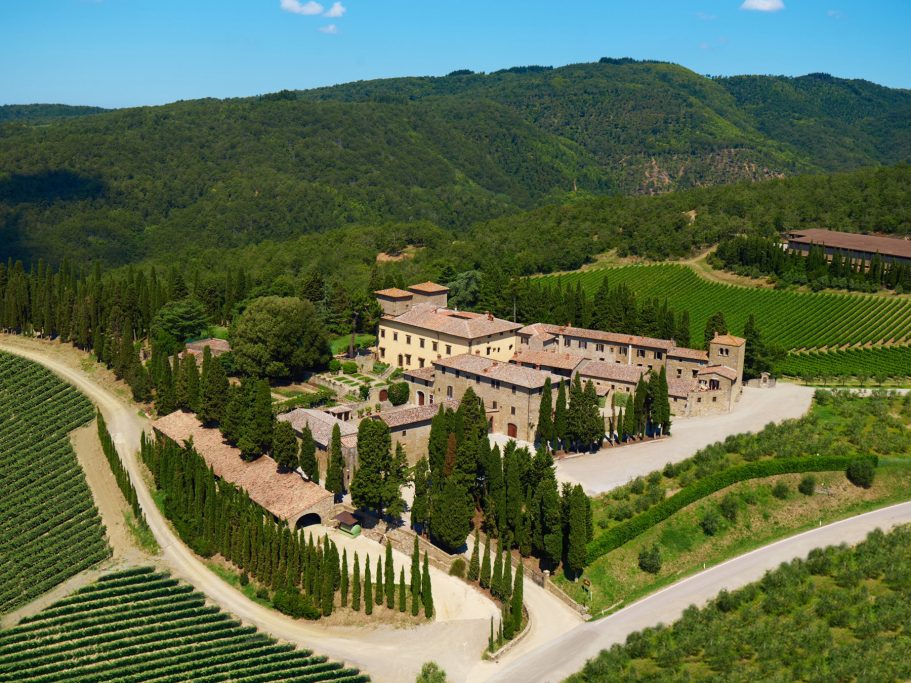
{"type": "Point", "coordinates": [49, 527]}
{"type": "Point", "coordinates": [793, 320]}
{"type": "Point", "coordinates": [143, 626]}
{"type": "Point", "coordinates": [875, 364]}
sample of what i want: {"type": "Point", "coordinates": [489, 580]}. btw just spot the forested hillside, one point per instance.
{"type": "Point", "coordinates": [135, 184]}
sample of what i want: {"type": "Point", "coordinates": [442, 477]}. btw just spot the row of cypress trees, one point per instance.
{"type": "Point", "coordinates": [308, 576]}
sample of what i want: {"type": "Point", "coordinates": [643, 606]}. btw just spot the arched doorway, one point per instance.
{"type": "Point", "coordinates": [420, 398]}
{"type": "Point", "coordinates": [309, 519]}
{"type": "Point", "coordinates": [384, 395]}
{"type": "Point", "coordinates": [512, 431]}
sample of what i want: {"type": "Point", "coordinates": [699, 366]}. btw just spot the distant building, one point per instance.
{"type": "Point", "coordinates": [417, 329]}
{"type": "Point", "coordinates": [409, 425]}
{"type": "Point", "coordinates": [217, 347]}
{"type": "Point", "coordinates": [857, 247]}
{"type": "Point", "coordinates": [321, 424]}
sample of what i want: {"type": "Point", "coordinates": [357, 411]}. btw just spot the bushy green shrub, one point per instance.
{"type": "Point", "coordinates": [349, 367]}
{"type": "Point", "coordinates": [458, 568]}
{"type": "Point", "coordinates": [781, 490]}
{"type": "Point", "coordinates": [294, 604]}
{"type": "Point", "coordinates": [335, 365]}
{"type": "Point", "coordinates": [650, 559]}
{"type": "Point", "coordinates": [710, 522]}
{"type": "Point", "coordinates": [861, 472]}
{"type": "Point", "coordinates": [398, 393]}
{"type": "Point", "coordinates": [729, 506]}
{"type": "Point", "coordinates": [807, 485]}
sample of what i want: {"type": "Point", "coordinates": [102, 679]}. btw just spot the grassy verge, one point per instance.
{"type": "Point", "coordinates": [232, 577]}
{"type": "Point", "coordinates": [761, 518]}
{"type": "Point", "coordinates": [141, 533]}
{"type": "Point", "coordinates": [340, 344]}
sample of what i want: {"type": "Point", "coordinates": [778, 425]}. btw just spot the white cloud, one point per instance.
{"type": "Point", "coordinates": [297, 7]}
{"type": "Point", "coordinates": [762, 5]}
{"type": "Point", "coordinates": [337, 10]}
{"type": "Point", "coordinates": [331, 29]}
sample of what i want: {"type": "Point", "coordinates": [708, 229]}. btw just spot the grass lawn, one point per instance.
{"type": "Point", "coordinates": [217, 332]}
{"type": "Point", "coordinates": [761, 518]}
{"type": "Point", "coordinates": [340, 344]}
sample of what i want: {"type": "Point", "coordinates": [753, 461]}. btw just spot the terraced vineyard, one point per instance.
{"type": "Point", "coordinates": [49, 527]}
{"type": "Point", "coordinates": [893, 361]}
{"type": "Point", "coordinates": [795, 320]}
{"type": "Point", "coordinates": [139, 625]}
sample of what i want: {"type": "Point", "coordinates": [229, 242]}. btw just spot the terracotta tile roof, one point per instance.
{"type": "Point", "coordinates": [428, 288]}
{"type": "Point", "coordinates": [197, 348]}
{"type": "Point", "coordinates": [320, 423]}
{"type": "Point", "coordinates": [425, 374]}
{"type": "Point", "coordinates": [729, 339]}
{"type": "Point", "coordinates": [346, 518]}
{"type": "Point", "coordinates": [537, 330]}
{"type": "Point", "coordinates": [597, 335]}
{"type": "Point", "coordinates": [409, 415]}
{"type": "Point", "coordinates": [497, 370]}
{"type": "Point", "coordinates": [722, 370]}
{"type": "Point", "coordinates": [689, 354]}
{"type": "Point", "coordinates": [394, 293]}
{"type": "Point", "coordinates": [617, 372]}
{"type": "Point", "coordinates": [847, 241]}
{"type": "Point", "coordinates": [548, 359]}
{"type": "Point", "coordinates": [287, 496]}
{"type": "Point", "coordinates": [680, 388]}
{"type": "Point", "coordinates": [456, 323]}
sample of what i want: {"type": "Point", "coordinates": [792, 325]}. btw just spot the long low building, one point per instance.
{"type": "Point", "coordinates": [288, 497]}
{"type": "Point", "coordinates": [855, 246]}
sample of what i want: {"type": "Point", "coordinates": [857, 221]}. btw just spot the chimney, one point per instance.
{"type": "Point", "coordinates": [489, 315]}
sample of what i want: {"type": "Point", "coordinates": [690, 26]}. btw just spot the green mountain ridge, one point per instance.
{"type": "Point", "coordinates": [133, 184]}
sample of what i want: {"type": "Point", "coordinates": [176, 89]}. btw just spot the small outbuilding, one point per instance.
{"type": "Point", "coordinates": [348, 523]}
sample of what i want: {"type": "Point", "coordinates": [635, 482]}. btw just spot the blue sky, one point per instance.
{"type": "Point", "coordinates": [119, 53]}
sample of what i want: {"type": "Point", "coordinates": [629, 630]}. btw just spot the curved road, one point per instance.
{"type": "Point", "coordinates": [387, 654]}
{"type": "Point", "coordinates": [568, 654]}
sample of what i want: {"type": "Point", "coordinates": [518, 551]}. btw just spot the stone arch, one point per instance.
{"type": "Point", "coordinates": [308, 519]}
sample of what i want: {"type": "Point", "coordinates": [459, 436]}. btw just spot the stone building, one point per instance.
{"type": "Point", "coordinates": [416, 329]}
{"type": "Point", "coordinates": [321, 424]}
{"type": "Point", "coordinates": [409, 425]}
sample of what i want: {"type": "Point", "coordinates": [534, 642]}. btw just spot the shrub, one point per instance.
{"type": "Point", "coordinates": [349, 367]}
{"type": "Point", "coordinates": [262, 593]}
{"type": "Point", "coordinates": [650, 559]}
{"type": "Point", "coordinates": [861, 472]}
{"type": "Point", "coordinates": [710, 522]}
{"type": "Point", "coordinates": [780, 490]}
{"type": "Point", "coordinates": [292, 603]}
{"type": "Point", "coordinates": [398, 393]}
{"type": "Point", "coordinates": [637, 486]}
{"type": "Point", "coordinates": [670, 470]}
{"type": "Point", "coordinates": [458, 568]}
{"type": "Point", "coordinates": [364, 391]}
{"type": "Point", "coordinates": [807, 485]}
{"type": "Point", "coordinates": [244, 579]}
{"type": "Point", "coordinates": [335, 365]}
{"type": "Point", "coordinates": [729, 505]}
{"type": "Point", "coordinates": [379, 368]}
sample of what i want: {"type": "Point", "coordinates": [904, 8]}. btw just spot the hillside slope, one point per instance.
{"type": "Point", "coordinates": [133, 184]}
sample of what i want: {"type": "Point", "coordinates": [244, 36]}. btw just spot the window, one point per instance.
{"type": "Point", "coordinates": [524, 340]}
{"type": "Point", "coordinates": [714, 399]}
{"type": "Point", "coordinates": [488, 350]}
{"type": "Point", "coordinates": [699, 399]}
{"type": "Point", "coordinates": [658, 355]}
{"type": "Point", "coordinates": [395, 336]}
{"type": "Point", "coordinates": [382, 352]}
{"type": "Point", "coordinates": [404, 432]}
{"type": "Point", "coordinates": [407, 338]}
{"type": "Point", "coordinates": [679, 372]}
{"type": "Point", "coordinates": [449, 392]}
{"type": "Point", "coordinates": [383, 332]}
{"type": "Point", "coordinates": [408, 358]}
{"type": "Point", "coordinates": [496, 384]}
{"type": "Point", "coordinates": [583, 344]}
{"type": "Point", "coordinates": [599, 347]}
{"type": "Point", "coordinates": [512, 411]}
{"type": "Point", "coordinates": [695, 373]}
{"type": "Point", "coordinates": [435, 344]}
{"type": "Point", "coordinates": [448, 350]}
{"type": "Point", "coordinates": [493, 405]}
{"type": "Point", "coordinates": [421, 342]}
{"type": "Point", "coordinates": [420, 362]}
{"type": "Point", "coordinates": [640, 353]}
{"type": "Point", "coordinates": [566, 341]}
{"type": "Point", "coordinates": [513, 387]}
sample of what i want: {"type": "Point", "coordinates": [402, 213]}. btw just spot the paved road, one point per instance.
{"type": "Point", "coordinates": [387, 654]}
{"type": "Point", "coordinates": [613, 467]}
{"type": "Point", "coordinates": [568, 654]}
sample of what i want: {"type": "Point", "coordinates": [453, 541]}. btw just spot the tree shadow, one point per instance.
{"type": "Point", "coordinates": [50, 186]}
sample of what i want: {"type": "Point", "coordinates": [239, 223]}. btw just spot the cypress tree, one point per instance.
{"type": "Point", "coordinates": [390, 577]}
{"type": "Point", "coordinates": [327, 593]}
{"type": "Point", "coordinates": [560, 418]}
{"type": "Point", "coordinates": [484, 577]}
{"type": "Point", "coordinates": [258, 425]}
{"type": "Point", "coordinates": [682, 333]}
{"type": "Point", "coordinates": [356, 585]}
{"type": "Point", "coordinates": [490, 638]}
{"type": "Point", "coordinates": [165, 398]}
{"type": "Point", "coordinates": [307, 460]}
{"type": "Point", "coordinates": [180, 383]}
{"type": "Point", "coordinates": [416, 568]}
{"type": "Point", "coordinates": [716, 324]}
{"type": "Point", "coordinates": [577, 533]}
{"type": "Point", "coordinates": [496, 581]}
{"type": "Point", "coordinates": [232, 421]}
{"type": "Point", "coordinates": [402, 593]}
{"type": "Point", "coordinates": [495, 510]}
{"type": "Point", "coordinates": [474, 566]}
{"type": "Point", "coordinates": [379, 586]}
{"type": "Point", "coordinates": [518, 590]}
{"type": "Point", "coordinates": [284, 447]}
{"type": "Point", "coordinates": [368, 588]}
{"type": "Point", "coordinates": [420, 508]}
{"type": "Point", "coordinates": [214, 391]}
{"type": "Point", "coordinates": [436, 444]}
{"type": "Point", "coordinates": [343, 583]}
{"type": "Point", "coordinates": [506, 584]}
{"type": "Point", "coordinates": [335, 478]}
{"type": "Point", "coordinates": [426, 592]}
{"type": "Point", "coordinates": [192, 382]}
{"type": "Point", "coordinates": [544, 433]}
{"type": "Point", "coordinates": [451, 518]}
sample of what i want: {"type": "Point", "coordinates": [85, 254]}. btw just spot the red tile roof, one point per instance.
{"type": "Point", "coordinates": [410, 415]}
{"type": "Point", "coordinates": [455, 323]}
{"type": "Point", "coordinates": [729, 340]}
{"type": "Point", "coordinates": [689, 354]}
{"type": "Point", "coordinates": [680, 388]}
{"type": "Point", "coordinates": [548, 359]}
{"type": "Point", "coordinates": [426, 374]}
{"type": "Point", "coordinates": [320, 423]}
{"type": "Point", "coordinates": [497, 370]}
{"type": "Point", "coordinates": [722, 370]}
{"type": "Point", "coordinates": [615, 372]}
{"type": "Point", "coordinates": [597, 335]}
{"type": "Point", "coordinates": [849, 241]}
{"type": "Point", "coordinates": [428, 288]}
{"type": "Point", "coordinates": [287, 496]}
{"type": "Point", "coordinates": [394, 293]}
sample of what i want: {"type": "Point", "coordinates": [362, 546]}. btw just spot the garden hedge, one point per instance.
{"type": "Point", "coordinates": [630, 529]}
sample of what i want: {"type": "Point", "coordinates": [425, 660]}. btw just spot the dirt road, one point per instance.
{"type": "Point", "coordinates": [568, 654]}
{"type": "Point", "coordinates": [613, 467]}
{"type": "Point", "coordinates": [388, 655]}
